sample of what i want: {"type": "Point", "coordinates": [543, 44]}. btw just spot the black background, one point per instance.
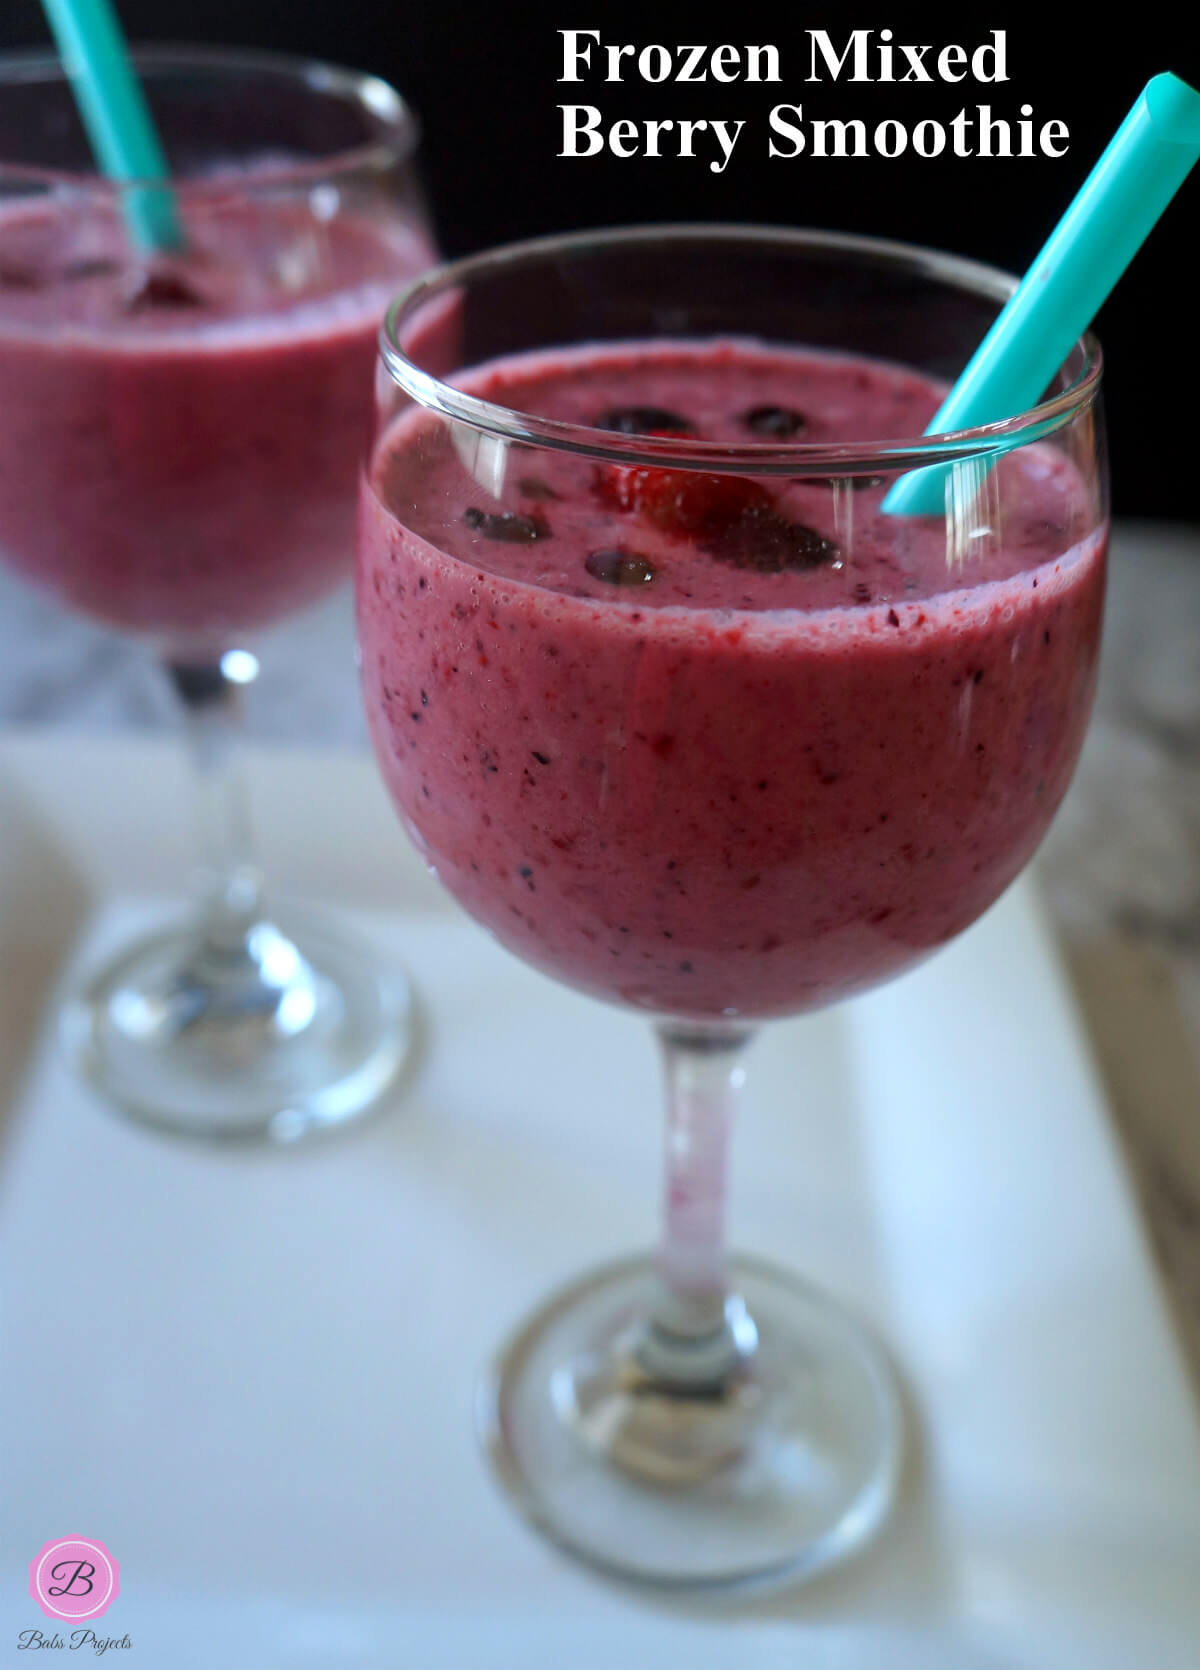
{"type": "Point", "coordinates": [484, 79]}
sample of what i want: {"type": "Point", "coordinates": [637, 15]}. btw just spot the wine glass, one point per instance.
{"type": "Point", "coordinates": [180, 443]}
{"type": "Point", "coordinates": [677, 710]}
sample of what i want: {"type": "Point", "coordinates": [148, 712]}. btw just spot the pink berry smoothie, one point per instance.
{"type": "Point", "coordinates": [180, 447]}
{"type": "Point", "coordinates": [744, 773]}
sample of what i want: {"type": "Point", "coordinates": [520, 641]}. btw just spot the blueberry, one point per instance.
{"type": "Point", "coordinates": [508, 525]}
{"type": "Point", "coordinates": [97, 267]}
{"type": "Point", "coordinates": [619, 568]}
{"type": "Point", "coordinates": [531, 487]}
{"type": "Point", "coordinates": [20, 278]}
{"type": "Point", "coordinates": [643, 420]}
{"type": "Point", "coordinates": [774, 423]}
{"type": "Point", "coordinates": [769, 543]}
{"type": "Point", "coordinates": [162, 289]}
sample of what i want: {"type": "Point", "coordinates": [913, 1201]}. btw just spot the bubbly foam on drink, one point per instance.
{"type": "Point", "coordinates": [735, 542]}
{"type": "Point", "coordinates": [251, 268]}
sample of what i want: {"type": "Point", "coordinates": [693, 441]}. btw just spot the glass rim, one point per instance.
{"type": "Point", "coordinates": [395, 142]}
{"type": "Point", "coordinates": [750, 457]}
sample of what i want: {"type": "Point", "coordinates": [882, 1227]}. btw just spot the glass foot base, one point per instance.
{"type": "Point", "coordinates": [272, 1038]}
{"type": "Point", "coordinates": [786, 1466]}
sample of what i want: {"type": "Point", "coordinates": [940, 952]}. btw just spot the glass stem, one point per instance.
{"type": "Point", "coordinates": [230, 880]}
{"type": "Point", "coordinates": [699, 1332]}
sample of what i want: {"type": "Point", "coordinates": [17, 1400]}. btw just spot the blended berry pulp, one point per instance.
{"type": "Point", "coordinates": [711, 768]}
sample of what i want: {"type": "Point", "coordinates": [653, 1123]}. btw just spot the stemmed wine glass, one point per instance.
{"type": "Point", "coordinates": [689, 721]}
{"type": "Point", "coordinates": [180, 441]}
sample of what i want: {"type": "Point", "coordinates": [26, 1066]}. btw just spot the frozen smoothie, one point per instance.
{"type": "Point", "coordinates": [180, 441]}
{"type": "Point", "coordinates": [709, 744]}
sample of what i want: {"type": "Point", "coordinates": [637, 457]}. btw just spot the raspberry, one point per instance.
{"type": "Point", "coordinates": [680, 501]}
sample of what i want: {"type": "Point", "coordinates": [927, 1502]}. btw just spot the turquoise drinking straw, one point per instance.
{"type": "Point", "coordinates": [116, 116]}
{"type": "Point", "coordinates": [1146, 162]}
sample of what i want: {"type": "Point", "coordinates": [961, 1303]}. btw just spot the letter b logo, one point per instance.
{"type": "Point", "coordinates": [77, 1584]}
{"type": "Point", "coordinates": [74, 1578]}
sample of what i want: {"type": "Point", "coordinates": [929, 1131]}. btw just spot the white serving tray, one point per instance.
{"type": "Point", "coordinates": [250, 1374]}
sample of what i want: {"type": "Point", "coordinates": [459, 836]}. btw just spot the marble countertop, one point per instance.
{"type": "Point", "coordinates": [1120, 870]}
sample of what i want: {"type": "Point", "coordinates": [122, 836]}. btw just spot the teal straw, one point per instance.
{"type": "Point", "coordinates": [116, 116]}
{"type": "Point", "coordinates": [1143, 167]}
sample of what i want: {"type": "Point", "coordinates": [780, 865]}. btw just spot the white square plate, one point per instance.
{"type": "Point", "coordinates": [250, 1374]}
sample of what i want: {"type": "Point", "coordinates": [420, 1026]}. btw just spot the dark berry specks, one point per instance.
{"type": "Point", "coordinates": [619, 567]}
{"type": "Point", "coordinates": [774, 423]}
{"type": "Point", "coordinates": [645, 420]}
{"type": "Point", "coordinates": [508, 525]}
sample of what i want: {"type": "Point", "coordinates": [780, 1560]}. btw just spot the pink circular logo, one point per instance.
{"type": "Point", "coordinates": [74, 1578]}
